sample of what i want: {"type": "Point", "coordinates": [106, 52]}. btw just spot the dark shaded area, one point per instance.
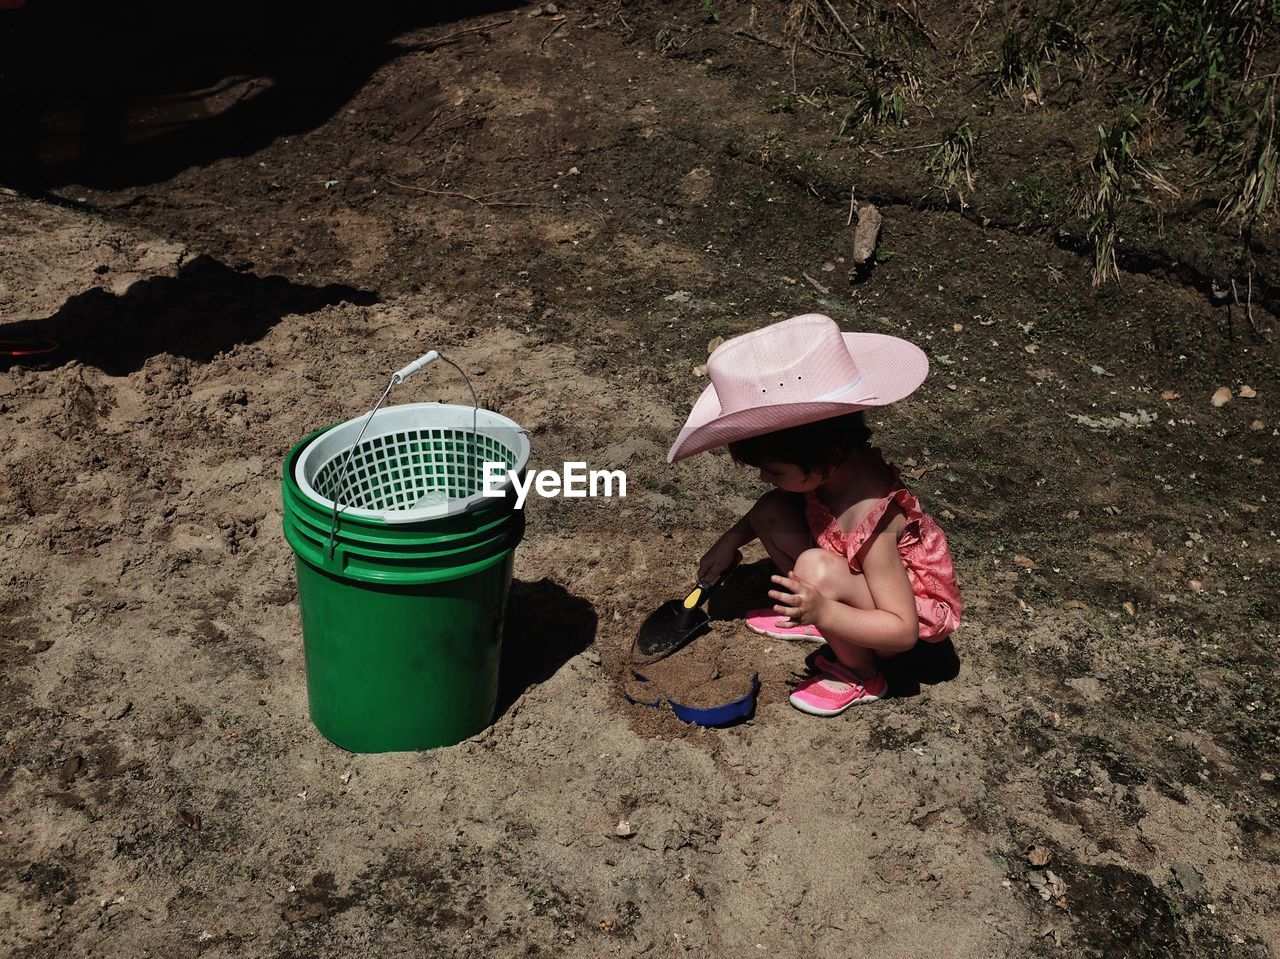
{"type": "Point", "coordinates": [1119, 913]}
{"type": "Point", "coordinates": [206, 309]}
{"type": "Point", "coordinates": [115, 95]}
{"type": "Point", "coordinates": [743, 590]}
{"type": "Point", "coordinates": [545, 627]}
{"type": "Point", "coordinates": [924, 664]}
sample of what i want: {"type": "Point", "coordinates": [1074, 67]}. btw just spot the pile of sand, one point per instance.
{"type": "Point", "coordinates": [711, 671]}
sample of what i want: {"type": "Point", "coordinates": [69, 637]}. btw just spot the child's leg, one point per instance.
{"type": "Point", "coordinates": [831, 576]}
{"type": "Point", "coordinates": [778, 520]}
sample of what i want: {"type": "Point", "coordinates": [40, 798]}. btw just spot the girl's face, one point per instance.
{"type": "Point", "coordinates": [789, 478]}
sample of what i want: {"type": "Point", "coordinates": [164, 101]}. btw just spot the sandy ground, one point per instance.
{"type": "Point", "coordinates": [1097, 780]}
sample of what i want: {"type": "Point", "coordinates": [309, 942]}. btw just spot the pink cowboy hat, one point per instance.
{"type": "Point", "coordinates": [794, 372]}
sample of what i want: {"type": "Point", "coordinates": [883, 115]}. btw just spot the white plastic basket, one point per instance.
{"type": "Point", "coordinates": [415, 462]}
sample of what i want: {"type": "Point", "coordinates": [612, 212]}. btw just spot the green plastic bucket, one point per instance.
{"type": "Point", "coordinates": [403, 600]}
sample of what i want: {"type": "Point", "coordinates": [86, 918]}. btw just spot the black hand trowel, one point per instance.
{"type": "Point", "coordinates": [674, 625]}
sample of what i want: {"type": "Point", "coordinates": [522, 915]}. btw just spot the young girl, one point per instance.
{"type": "Point", "coordinates": [865, 569]}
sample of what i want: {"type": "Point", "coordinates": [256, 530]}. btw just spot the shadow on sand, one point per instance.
{"type": "Point", "coordinates": [113, 95]}
{"type": "Point", "coordinates": [207, 308]}
{"type": "Point", "coordinates": [545, 627]}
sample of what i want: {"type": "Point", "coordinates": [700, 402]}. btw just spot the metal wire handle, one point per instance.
{"type": "Point", "coordinates": [398, 377]}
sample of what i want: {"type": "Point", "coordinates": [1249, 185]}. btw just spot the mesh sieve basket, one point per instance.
{"type": "Point", "coordinates": [414, 462]}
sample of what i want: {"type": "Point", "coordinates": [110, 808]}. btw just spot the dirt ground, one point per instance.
{"type": "Point", "coordinates": [572, 205]}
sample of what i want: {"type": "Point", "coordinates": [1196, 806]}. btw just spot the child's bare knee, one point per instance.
{"type": "Point", "coordinates": [820, 569]}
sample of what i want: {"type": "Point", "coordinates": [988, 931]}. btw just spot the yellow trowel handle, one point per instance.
{"type": "Point", "coordinates": [704, 587]}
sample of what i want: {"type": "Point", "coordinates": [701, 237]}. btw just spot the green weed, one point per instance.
{"type": "Point", "coordinates": [951, 165]}
{"type": "Point", "coordinates": [880, 94]}
{"type": "Point", "coordinates": [1256, 193]}
{"type": "Point", "coordinates": [1118, 180]}
{"type": "Point", "coordinates": [1043, 41]}
{"type": "Point", "coordinates": [859, 34]}
{"type": "Point", "coordinates": [875, 105]}
{"type": "Point", "coordinates": [1102, 205]}
{"type": "Point", "coordinates": [783, 104]}
{"type": "Point", "coordinates": [1040, 199]}
{"type": "Point", "coordinates": [1199, 58]}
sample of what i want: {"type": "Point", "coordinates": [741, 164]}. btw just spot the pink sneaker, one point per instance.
{"type": "Point", "coordinates": [835, 688]}
{"type": "Point", "coordinates": [765, 622]}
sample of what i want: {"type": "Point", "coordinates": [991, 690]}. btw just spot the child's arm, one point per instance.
{"type": "Point", "coordinates": [890, 627]}
{"type": "Point", "coordinates": [720, 556]}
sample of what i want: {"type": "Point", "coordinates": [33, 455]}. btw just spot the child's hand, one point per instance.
{"type": "Point", "coordinates": [800, 602]}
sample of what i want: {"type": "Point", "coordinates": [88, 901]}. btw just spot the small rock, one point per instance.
{"type": "Point", "coordinates": [1267, 777]}
{"type": "Point", "coordinates": [117, 710]}
{"type": "Point", "coordinates": [1088, 687]}
{"type": "Point", "coordinates": [1221, 396]}
{"type": "Point", "coordinates": [623, 830]}
{"type": "Point", "coordinates": [700, 369]}
{"type": "Point", "coordinates": [1189, 878]}
{"type": "Point", "coordinates": [867, 233]}
{"type": "Point", "coordinates": [1248, 392]}
{"type": "Point", "coordinates": [715, 345]}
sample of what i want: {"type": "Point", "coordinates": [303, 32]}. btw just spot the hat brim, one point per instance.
{"type": "Point", "coordinates": [889, 367]}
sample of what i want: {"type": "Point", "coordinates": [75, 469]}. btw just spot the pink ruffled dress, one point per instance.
{"type": "Point", "coordinates": [922, 546]}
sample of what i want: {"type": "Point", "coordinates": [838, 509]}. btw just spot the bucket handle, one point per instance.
{"type": "Point", "coordinates": [398, 377]}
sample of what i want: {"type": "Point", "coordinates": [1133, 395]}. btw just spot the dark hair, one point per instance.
{"type": "Point", "coordinates": [811, 447]}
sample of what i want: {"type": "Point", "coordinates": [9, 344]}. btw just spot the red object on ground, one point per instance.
{"type": "Point", "coordinates": [16, 348]}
